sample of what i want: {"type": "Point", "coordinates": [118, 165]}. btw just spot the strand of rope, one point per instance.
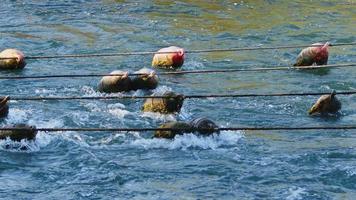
{"type": "Point", "coordinates": [188, 51]}
{"type": "Point", "coordinates": [185, 96]}
{"type": "Point", "coordinates": [269, 68]}
{"type": "Point", "coordinates": [180, 129]}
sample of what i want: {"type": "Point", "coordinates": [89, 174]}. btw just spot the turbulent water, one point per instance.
{"type": "Point", "coordinates": [233, 165]}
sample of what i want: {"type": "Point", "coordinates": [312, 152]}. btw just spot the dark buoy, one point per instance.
{"type": "Point", "coordinates": [4, 107]}
{"type": "Point", "coordinates": [204, 126]}
{"type": "Point", "coordinates": [173, 59]}
{"type": "Point", "coordinates": [16, 61]}
{"type": "Point", "coordinates": [111, 84]}
{"type": "Point", "coordinates": [147, 80]}
{"type": "Point", "coordinates": [313, 55]}
{"type": "Point", "coordinates": [326, 104]}
{"type": "Point", "coordinates": [172, 103]}
{"type": "Point", "coordinates": [24, 132]}
{"type": "Point", "coordinates": [170, 134]}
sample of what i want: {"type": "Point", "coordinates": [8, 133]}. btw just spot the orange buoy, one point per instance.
{"type": "Point", "coordinates": [173, 59]}
{"type": "Point", "coordinates": [315, 55]}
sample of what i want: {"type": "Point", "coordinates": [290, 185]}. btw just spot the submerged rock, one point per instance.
{"type": "Point", "coordinates": [326, 104]}
{"type": "Point", "coordinates": [172, 103]}
{"type": "Point", "coordinates": [174, 59]}
{"type": "Point", "coordinates": [315, 55]}
{"type": "Point", "coordinates": [4, 107]}
{"type": "Point", "coordinates": [148, 81]}
{"type": "Point", "coordinates": [16, 61]}
{"type": "Point", "coordinates": [170, 134]}
{"type": "Point", "coordinates": [111, 84]}
{"type": "Point", "coordinates": [24, 132]}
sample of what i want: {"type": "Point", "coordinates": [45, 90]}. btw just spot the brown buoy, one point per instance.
{"type": "Point", "coordinates": [173, 59]}
{"type": "Point", "coordinates": [4, 107]}
{"type": "Point", "coordinates": [181, 127]}
{"type": "Point", "coordinates": [326, 104]}
{"type": "Point", "coordinates": [24, 132]}
{"type": "Point", "coordinates": [146, 80]}
{"type": "Point", "coordinates": [111, 84]}
{"type": "Point", "coordinates": [16, 59]}
{"type": "Point", "coordinates": [171, 103]}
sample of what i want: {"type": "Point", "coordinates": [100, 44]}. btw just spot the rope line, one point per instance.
{"type": "Point", "coordinates": [185, 96]}
{"type": "Point", "coordinates": [180, 129]}
{"type": "Point", "coordinates": [269, 68]}
{"type": "Point", "coordinates": [188, 51]}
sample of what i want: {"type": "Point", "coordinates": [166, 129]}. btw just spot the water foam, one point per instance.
{"type": "Point", "coordinates": [295, 193]}
{"type": "Point", "coordinates": [118, 110]}
{"type": "Point", "coordinates": [188, 141]}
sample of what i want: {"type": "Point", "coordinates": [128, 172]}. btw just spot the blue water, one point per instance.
{"type": "Point", "coordinates": [232, 165]}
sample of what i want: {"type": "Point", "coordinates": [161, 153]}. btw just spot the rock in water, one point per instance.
{"type": "Point", "coordinates": [111, 84]}
{"type": "Point", "coordinates": [4, 107]}
{"type": "Point", "coordinates": [204, 126]}
{"type": "Point", "coordinates": [24, 132]}
{"type": "Point", "coordinates": [169, 60]}
{"type": "Point", "coordinates": [315, 55]}
{"type": "Point", "coordinates": [172, 103]}
{"type": "Point", "coordinates": [326, 104]}
{"type": "Point", "coordinates": [170, 134]}
{"type": "Point", "coordinates": [16, 61]}
{"type": "Point", "coordinates": [148, 81]}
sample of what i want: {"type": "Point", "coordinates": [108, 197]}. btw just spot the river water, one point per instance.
{"type": "Point", "coordinates": [233, 165]}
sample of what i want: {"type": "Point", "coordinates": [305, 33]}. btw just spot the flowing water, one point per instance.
{"type": "Point", "coordinates": [233, 165]}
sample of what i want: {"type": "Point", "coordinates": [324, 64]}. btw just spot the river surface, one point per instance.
{"type": "Point", "coordinates": [233, 165]}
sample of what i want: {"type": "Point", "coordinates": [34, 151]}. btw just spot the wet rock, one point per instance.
{"type": "Point", "coordinates": [326, 104]}
{"type": "Point", "coordinates": [315, 55]}
{"type": "Point", "coordinates": [169, 60]}
{"type": "Point", "coordinates": [112, 84]}
{"type": "Point", "coordinates": [147, 81]}
{"type": "Point", "coordinates": [24, 132]}
{"type": "Point", "coordinates": [16, 61]}
{"type": "Point", "coordinates": [172, 103]}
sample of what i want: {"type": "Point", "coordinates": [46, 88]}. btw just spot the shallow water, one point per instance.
{"type": "Point", "coordinates": [233, 165]}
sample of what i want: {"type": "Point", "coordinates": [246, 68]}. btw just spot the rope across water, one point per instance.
{"type": "Point", "coordinates": [257, 69]}
{"type": "Point", "coordinates": [185, 96]}
{"type": "Point", "coordinates": [182, 129]}
{"type": "Point", "coordinates": [187, 51]}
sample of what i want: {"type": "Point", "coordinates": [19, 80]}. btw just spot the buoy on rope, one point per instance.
{"type": "Point", "coordinates": [204, 126]}
{"type": "Point", "coordinates": [170, 134]}
{"type": "Point", "coordinates": [171, 103]}
{"type": "Point", "coordinates": [21, 131]}
{"type": "Point", "coordinates": [200, 126]}
{"type": "Point", "coordinates": [326, 104]}
{"type": "Point", "coordinates": [4, 107]}
{"type": "Point", "coordinates": [317, 54]}
{"type": "Point", "coordinates": [146, 80]}
{"type": "Point", "coordinates": [173, 59]}
{"type": "Point", "coordinates": [112, 84]}
{"type": "Point", "coordinates": [15, 59]}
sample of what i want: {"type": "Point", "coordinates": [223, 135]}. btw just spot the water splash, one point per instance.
{"type": "Point", "coordinates": [28, 146]}
{"type": "Point", "coordinates": [296, 193]}
{"type": "Point", "coordinates": [188, 141]}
